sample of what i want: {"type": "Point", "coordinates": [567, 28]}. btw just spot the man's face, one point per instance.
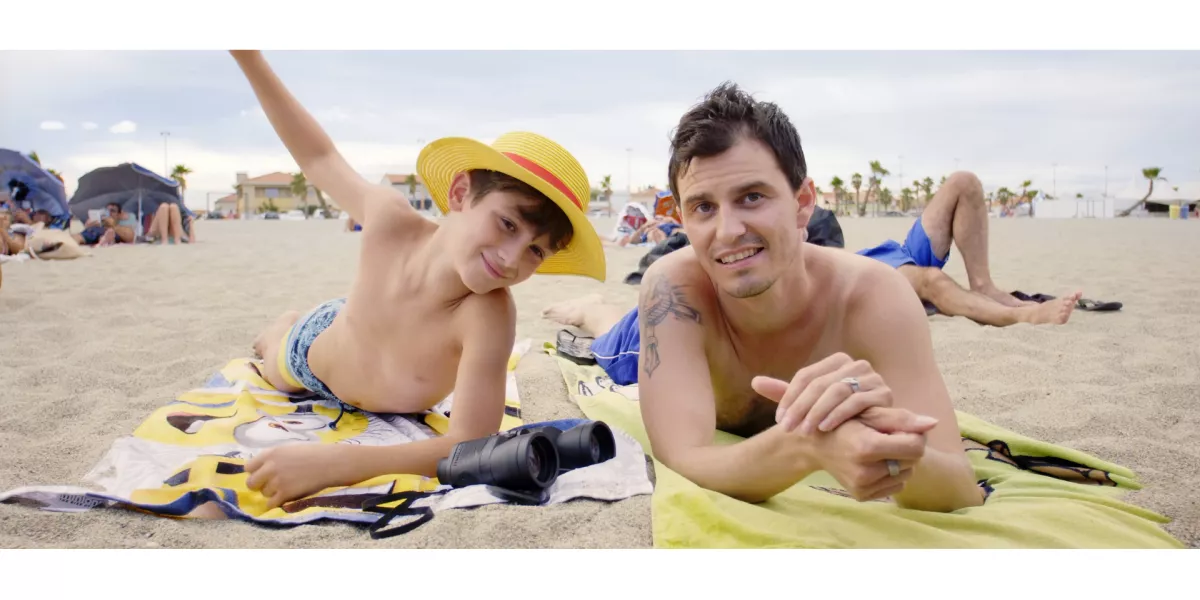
{"type": "Point", "coordinates": [742, 218]}
{"type": "Point", "coordinates": [493, 245]}
{"type": "Point", "coordinates": [114, 209]}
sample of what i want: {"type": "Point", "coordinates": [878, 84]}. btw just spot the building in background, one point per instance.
{"type": "Point", "coordinates": [269, 193]}
{"type": "Point", "coordinates": [415, 190]}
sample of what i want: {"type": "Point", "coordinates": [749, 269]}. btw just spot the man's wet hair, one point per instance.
{"type": "Point", "coordinates": [544, 216]}
{"type": "Point", "coordinates": [726, 115]}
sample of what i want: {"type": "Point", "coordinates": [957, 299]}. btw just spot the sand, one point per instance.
{"type": "Point", "coordinates": [88, 348]}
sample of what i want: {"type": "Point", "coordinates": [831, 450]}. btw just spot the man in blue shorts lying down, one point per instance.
{"type": "Point", "coordinates": [957, 213]}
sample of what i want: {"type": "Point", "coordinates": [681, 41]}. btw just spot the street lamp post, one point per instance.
{"type": "Point", "coordinates": [165, 136]}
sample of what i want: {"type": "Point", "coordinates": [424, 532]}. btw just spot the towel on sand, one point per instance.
{"type": "Point", "coordinates": [193, 451]}
{"type": "Point", "coordinates": [1041, 496]}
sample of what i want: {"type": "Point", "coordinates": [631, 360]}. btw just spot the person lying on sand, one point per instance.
{"type": "Point", "coordinates": [17, 226]}
{"type": "Point", "coordinates": [958, 213]}
{"type": "Point", "coordinates": [429, 311]}
{"type": "Point", "coordinates": [821, 358]}
{"type": "Point", "coordinates": [653, 231]}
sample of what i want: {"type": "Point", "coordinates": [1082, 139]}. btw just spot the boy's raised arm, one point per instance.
{"type": "Point", "coordinates": [308, 144]}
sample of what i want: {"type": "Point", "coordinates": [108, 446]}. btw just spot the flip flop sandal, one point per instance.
{"type": "Point", "coordinates": [575, 348]}
{"type": "Point", "coordinates": [1097, 306]}
{"type": "Point", "coordinates": [1039, 298]}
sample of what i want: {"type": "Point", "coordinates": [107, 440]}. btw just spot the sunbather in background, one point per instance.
{"type": "Point", "coordinates": [957, 213]}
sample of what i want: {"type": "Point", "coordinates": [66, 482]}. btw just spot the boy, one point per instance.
{"type": "Point", "coordinates": [429, 311]}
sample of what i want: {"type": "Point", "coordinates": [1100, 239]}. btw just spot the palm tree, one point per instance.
{"type": "Point", "coordinates": [1025, 194]}
{"type": "Point", "coordinates": [606, 191]}
{"type": "Point", "coordinates": [877, 175]}
{"type": "Point", "coordinates": [906, 198]}
{"type": "Point", "coordinates": [411, 182]}
{"type": "Point", "coordinates": [299, 189]}
{"type": "Point", "coordinates": [885, 199]}
{"type": "Point", "coordinates": [927, 189]}
{"type": "Point", "coordinates": [837, 184]}
{"type": "Point", "coordinates": [856, 181]}
{"type": "Point", "coordinates": [1004, 196]}
{"type": "Point", "coordinates": [321, 202]}
{"type": "Point", "coordinates": [237, 190]}
{"type": "Point", "coordinates": [1151, 174]}
{"type": "Point", "coordinates": [1078, 196]}
{"type": "Point", "coordinates": [179, 174]}
{"type": "Point", "coordinates": [34, 157]}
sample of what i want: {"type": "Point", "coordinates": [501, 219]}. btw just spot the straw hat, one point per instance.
{"type": "Point", "coordinates": [537, 161]}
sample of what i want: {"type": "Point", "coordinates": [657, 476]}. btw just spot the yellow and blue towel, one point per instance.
{"type": "Point", "coordinates": [1041, 496]}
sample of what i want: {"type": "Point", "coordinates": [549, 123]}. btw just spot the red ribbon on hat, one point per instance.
{"type": "Point", "coordinates": [546, 176]}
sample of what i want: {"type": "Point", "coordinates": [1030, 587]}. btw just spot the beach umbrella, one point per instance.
{"type": "Point", "coordinates": [137, 189]}
{"type": "Point", "coordinates": [46, 192]}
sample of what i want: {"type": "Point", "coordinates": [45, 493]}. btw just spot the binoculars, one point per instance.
{"type": "Point", "coordinates": [526, 460]}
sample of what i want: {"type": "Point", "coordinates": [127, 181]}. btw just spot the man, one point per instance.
{"type": "Point", "coordinates": [957, 213]}
{"type": "Point", "coordinates": [820, 358]}
{"type": "Point", "coordinates": [116, 226]}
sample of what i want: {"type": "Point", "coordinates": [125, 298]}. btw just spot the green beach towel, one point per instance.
{"type": "Point", "coordinates": [1041, 496]}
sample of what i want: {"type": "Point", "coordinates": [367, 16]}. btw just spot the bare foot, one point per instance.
{"type": "Point", "coordinates": [572, 312]}
{"type": "Point", "coordinates": [109, 238]}
{"type": "Point", "coordinates": [1050, 312]}
{"type": "Point", "coordinates": [273, 334]}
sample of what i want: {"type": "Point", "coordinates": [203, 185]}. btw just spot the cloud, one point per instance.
{"type": "Point", "coordinates": [53, 125]}
{"type": "Point", "coordinates": [88, 125]}
{"type": "Point", "coordinates": [124, 127]}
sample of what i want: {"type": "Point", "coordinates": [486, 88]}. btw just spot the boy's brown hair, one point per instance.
{"type": "Point", "coordinates": [545, 217]}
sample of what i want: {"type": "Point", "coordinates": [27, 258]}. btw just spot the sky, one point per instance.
{"type": "Point", "coordinates": [1057, 118]}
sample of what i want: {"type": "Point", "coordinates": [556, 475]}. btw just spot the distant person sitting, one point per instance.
{"type": "Point", "coordinates": [352, 225]}
{"type": "Point", "coordinates": [167, 225]}
{"type": "Point", "coordinates": [958, 213]}
{"type": "Point", "coordinates": [116, 226]}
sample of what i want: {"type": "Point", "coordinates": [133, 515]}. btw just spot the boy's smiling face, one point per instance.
{"type": "Point", "coordinates": [495, 243]}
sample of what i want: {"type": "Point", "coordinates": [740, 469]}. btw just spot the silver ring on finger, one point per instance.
{"type": "Point", "coordinates": [893, 468]}
{"type": "Point", "coordinates": [853, 383]}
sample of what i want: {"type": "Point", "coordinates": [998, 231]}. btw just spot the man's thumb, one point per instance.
{"type": "Point", "coordinates": [770, 388]}
{"type": "Point", "coordinates": [896, 420]}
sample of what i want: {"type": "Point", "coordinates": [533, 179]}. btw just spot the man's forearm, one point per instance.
{"type": "Point", "coordinates": [753, 470]}
{"type": "Point", "coordinates": [941, 482]}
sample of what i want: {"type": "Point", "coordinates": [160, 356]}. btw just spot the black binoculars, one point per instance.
{"type": "Point", "coordinates": [527, 459]}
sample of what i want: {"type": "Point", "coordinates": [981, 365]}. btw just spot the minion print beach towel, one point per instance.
{"type": "Point", "coordinates": [188, 459]}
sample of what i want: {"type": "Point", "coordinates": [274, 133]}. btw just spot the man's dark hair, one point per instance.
{"type": "Point", "coordinates": [726, 114]}
{"type": "Point", "coordinates": [545, 217]}
{"type": "Point", "coordinates": [116, 204]}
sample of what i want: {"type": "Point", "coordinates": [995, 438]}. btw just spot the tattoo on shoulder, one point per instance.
{"type": "Point", "coordinates": [662, 300]}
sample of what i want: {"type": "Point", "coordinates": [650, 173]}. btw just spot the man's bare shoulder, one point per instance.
{"type": "Point", "coordinates": [864, 282]}
{"type": "Point", "coordinates": [682, 269]}
{"type": "Point", "coordinates": [878, 298]}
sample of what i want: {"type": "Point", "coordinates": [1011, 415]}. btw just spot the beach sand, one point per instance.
{"type": "Point", "coordinates": [88, 348]}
